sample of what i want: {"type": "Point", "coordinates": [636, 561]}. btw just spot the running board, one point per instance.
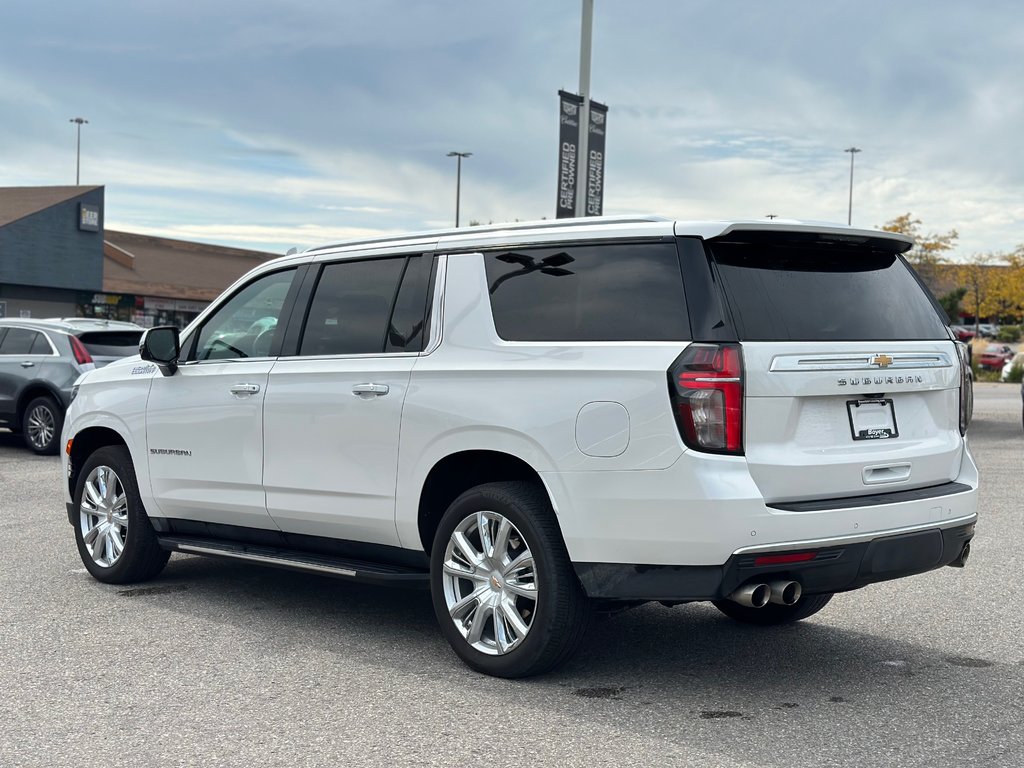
{"type": "Point", "coordinates": [343, 568]}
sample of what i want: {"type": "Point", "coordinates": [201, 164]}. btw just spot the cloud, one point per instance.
{"type": "Point", "coordinates": [304, 117]}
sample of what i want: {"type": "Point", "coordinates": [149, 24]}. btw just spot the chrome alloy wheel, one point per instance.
{"type": "Point", "coordinates": [490, 583]}
{"type": "Point", "coordinates": [103, 516]}
{"type": "Point", "coordinates": [41, 427]}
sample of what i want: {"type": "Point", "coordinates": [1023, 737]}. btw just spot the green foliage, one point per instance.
{"type": "Point", "coordinates": [951, 303]}
{"type": "Point", "coordinates": [983, 374]}
{"type": "Point", "coordinates": [1009, 334]}
{"type": "Point", "coordinates": [1016, 374]}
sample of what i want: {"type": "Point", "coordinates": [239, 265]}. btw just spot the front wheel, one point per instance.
{"type": "Point", "coordinates": [115, 539]}
{"type": "Point", "coordinates": [774, 614]}
{"type": "Point", "coordinates": [504, 591]}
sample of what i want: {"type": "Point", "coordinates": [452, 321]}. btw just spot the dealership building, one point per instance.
{"type": "Point", "coordinates": [58, 260]}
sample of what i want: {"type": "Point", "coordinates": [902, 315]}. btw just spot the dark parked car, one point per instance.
{"type": "Point", "coordinates": [40, 361]}
{"type": "Point", "coordinates": [995, 357]}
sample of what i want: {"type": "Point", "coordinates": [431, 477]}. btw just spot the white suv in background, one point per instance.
{"type": "Point", "coordinates": [537, 420]}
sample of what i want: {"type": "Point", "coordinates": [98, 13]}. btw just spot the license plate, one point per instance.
{"type": "Point", "coordinates": [872, 419]}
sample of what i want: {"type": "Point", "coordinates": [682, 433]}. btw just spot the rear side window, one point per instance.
{"type": "Point", "coordinates": [351, 308]}
{"type": "Point", "coordinates": [19, 341]}
{"type": "Point", "coordinates": [408, 320]}
{"type": "Point", "coordinates": [605, 292]}
{"type": "Point", "coordinates": [791, 293]}
{"type": "Point", "coordinates": [40, 345]}
{"type": "Point", "coordinates": [111, 343]}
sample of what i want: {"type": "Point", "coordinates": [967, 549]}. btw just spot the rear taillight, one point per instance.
{"type": "Point", "coordinates": [966, 388]}
{"type": "Point", "coordinates": [706, 388]}
{"type": "Point", "coordinates": [80, 352]}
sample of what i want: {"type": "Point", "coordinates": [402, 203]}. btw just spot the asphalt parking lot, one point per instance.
{"type": "Point", "coordinates": [223, 664]}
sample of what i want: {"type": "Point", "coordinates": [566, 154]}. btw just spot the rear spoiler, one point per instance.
{"type": "Point", "coordinates": [811, 235]}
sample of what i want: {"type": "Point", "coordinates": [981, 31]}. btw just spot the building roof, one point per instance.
{"type": "Point", "coordinates": [178, 269]}
{"type": "Point", "coordinates": [19, 202]}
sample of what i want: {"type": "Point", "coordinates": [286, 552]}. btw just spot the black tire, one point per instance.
{"type": "Point", "coordinates": [142, 557]}
{"type": "Point", "coordinates": [41, 424]}
{"type": "Point", "coordinates": [561, 611]}
{"type": "Point", "coordinates": [773, 614]}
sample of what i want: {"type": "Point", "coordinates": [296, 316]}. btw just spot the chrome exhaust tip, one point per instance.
{"type": "Point", "coordinates": [752, 595]}
{"type": "Point", "coordinates": [785, 592]}
{"type": "Point", "coordinates": [961, 559]}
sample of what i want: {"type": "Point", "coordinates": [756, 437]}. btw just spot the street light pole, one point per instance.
{"type": "Point", "coordinates": [78, 146]}
{"type": "Point", "coordinates": [458, 180]}
{"type": "Point", "coordinates": [583, 161]}
{"type": "Point", "coordinates": [849, 212]}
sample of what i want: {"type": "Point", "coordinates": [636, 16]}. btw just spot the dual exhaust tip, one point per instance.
{"type": "Point", "coordinates": [756, 595]}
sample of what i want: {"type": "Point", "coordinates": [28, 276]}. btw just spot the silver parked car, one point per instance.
{"type": "Point", "coordinates": [40, 361]}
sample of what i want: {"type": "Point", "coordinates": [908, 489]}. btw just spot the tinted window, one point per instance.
{"type": "Point", "coordinates": [783, 293]}
{"type": "Point", "coordinates": [621, 292]}
{"type": "Point", "coordinates": [408, 321]}
{"type": "Point", "coordinates": [18, 341]}
{"type": "Point", "coordinates": [40, 345]}
{"type": "Point", "coordinates": [351, 306]}
{"type": "Point", "coordinates": [245, 326]}
{"type": "Point", "coordinates": [111, 343]}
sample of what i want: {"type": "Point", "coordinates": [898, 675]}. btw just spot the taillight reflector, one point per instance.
{"type": "Point", "coordinates": [966, 388]}
{"type": "Point", "coordinates": [792, 557]}
{"type": "Point", "coordinates": [706, 387]}
{"type": "Point", "coordinates": [81, 353]}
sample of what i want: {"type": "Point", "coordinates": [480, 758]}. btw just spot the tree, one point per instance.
{"type": "Point", "coordinates": [950, 303]}
{"type": "Point", "coordinates": [975, 275]}
{"type": "Point", "coordinates": [929, 250]}
{"type": "Point", "coordinates": [1008, 285]}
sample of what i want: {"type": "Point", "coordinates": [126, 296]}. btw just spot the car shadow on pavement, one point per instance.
{"type": "Point", "coordinates": [10, 440]}
{"type": "Point", "coordinates": [691, 655]}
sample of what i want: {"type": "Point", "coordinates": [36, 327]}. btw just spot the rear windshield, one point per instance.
{"type": "Point", "coordinates": [111, 343]}
{"type": "Point", "coordinates": [788, 293]}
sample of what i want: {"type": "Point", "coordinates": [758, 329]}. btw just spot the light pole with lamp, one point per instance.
{"type": "Point", "coordinates": [849, 213]}
{"type": "Point", "coordinates": [458, 180]}
{"type": "Point", "coordinates": [78, 146]}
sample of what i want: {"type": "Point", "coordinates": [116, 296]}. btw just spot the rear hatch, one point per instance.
{"type": "Point", "coordinates": [107, 346]}
{"type": "Point", "coordinates": [851, 381]}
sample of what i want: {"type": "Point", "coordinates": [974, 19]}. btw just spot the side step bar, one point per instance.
{"type": "Point", "coordinates": [354, 570]}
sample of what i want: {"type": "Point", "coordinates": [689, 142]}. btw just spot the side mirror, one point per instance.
{"type": "Point", "coordinates": [161, 346]}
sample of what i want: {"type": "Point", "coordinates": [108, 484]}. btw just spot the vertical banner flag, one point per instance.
{"type": "Point", "coordinates": [595, 164]}
{"type": "Point", "coordinates": [568, 151]}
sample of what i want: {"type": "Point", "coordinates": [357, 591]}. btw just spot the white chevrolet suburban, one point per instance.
{"type": "Point", "coordinates": [538, 420]}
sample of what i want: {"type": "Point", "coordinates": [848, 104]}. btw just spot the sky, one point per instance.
{"type": "Point", "coordinates": [271, 125]}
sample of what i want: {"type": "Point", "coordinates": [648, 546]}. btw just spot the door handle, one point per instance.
{"type": "Point", "coordinates": [28, 364]}
{"type": "Point", "coordinates": [370, 389]}
{"type": "Point", "coordinates": [245, 389]}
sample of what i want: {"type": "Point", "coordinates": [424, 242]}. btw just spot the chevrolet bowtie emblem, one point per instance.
{"type": "Point", "coordinates": [882, 361]}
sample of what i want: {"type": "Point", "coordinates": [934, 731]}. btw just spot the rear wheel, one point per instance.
{"type": "Point", "coordinates": [41, 425]}
{"type": "Point", "coordinates": [773, 614]}
{"type": "Point", "coordinates": [504, 591]}
{"type": "Point", "coordinates": [115, 539]}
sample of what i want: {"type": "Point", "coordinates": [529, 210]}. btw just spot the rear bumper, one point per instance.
{"type": "Point", "coordinates": [704, 509]}
{"type": "Point", "coordinates": [837, 565]}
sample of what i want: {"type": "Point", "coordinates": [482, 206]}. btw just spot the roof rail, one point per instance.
{"type": "Point", "coordinates": [504, 227]}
